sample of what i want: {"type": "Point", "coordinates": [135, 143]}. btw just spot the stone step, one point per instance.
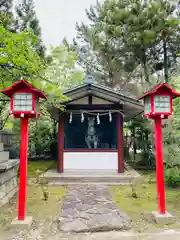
{"type": "Point", "coordinates": [1, 147]}
{"type": "Point", "coordinates": [58, 183]}
{"type": "Point", "coordinates": [87, 179]}
{"type": "Point", "coordinates": [4, 166]}
{"type": "Point", "coordinates": [4, 156]}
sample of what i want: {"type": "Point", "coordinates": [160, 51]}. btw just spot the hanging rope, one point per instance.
{"type": "Point", "coordinates": [70, 119]}
{"type": "Point", "coordinates": [98, 119]}
{"type": "Point", "coordinates": [82, 117]}
{"type": "Point", "coordinates": [97, 115]}
{"type": "Point", "coordinates": [110, 117]}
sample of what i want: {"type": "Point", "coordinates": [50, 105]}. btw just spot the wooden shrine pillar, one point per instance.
{"type": "Point", "coordinates": [120, 142]}
{"type": "Point", "coordinates": [60, 167]}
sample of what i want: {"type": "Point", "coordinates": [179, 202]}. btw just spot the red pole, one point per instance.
{"type": "Point", "coordinates": [120, 142]}
{"type": "Point", "coordinates": [60, 167]}
{"type": "Point", "coordinates": [159, 166]}
{"type": "Point", "coordinates": [23, 169]}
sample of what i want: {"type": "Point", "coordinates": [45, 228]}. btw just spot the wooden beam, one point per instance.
{"type": "Point", "coordinates": [90, 150]}
{"type": "Point", "coordinates": [95, 107]}
{"type": "Point", "coordinates": [60, 167]}
{"type": "Point", "coordinates": [120, 142]}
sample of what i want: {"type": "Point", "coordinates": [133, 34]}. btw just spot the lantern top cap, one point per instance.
{"type": "Point", "coordinates": [22, 85]}
{"type": "Point", "coordinates": [161, 88]}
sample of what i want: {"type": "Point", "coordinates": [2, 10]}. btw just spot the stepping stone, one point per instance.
{"type": "Point", "coordinates": [90, 208]}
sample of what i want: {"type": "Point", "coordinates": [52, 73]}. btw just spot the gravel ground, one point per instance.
{"type": "Point", "coordinates": [48, 231]}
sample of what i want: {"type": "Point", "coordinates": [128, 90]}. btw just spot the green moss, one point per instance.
{"type": "Point", "coordinates": [40, 209]}
{"type": "Point", "coordinates": [36, 206]}
{"type": "Point", "coordinates": [41, 165]}
{"type": "Point", "coordinates": [139, 208]}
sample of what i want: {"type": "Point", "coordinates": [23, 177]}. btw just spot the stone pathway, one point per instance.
{"type": "Point", "coordinates": [89, 208]}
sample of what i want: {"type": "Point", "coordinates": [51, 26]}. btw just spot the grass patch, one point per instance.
{"type": "Point", "coordinates": [42, 165]}
{"type": "Point", "coordinates": [139, 209]}
{"type": "Point", "coordinates": [36, 206]}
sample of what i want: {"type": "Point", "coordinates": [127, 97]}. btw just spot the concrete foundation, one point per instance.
{"type": "Point", "coordinates": [163, 219]}
{"type": "Point", "coordinates": [23, 225]}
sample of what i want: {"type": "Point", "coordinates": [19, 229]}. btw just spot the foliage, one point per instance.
{"type": "Point", "coordinates": [40, 137]}
{"type": "Point", "coordinates": [62, 70]}
{"type": "Point", "coordinates": [60, 74]}
{"type": "Point", "coordinates": [6, 13]}
{"type": "Point", "coordinates": [17, 50]}
{"type": "Point", "coordinates": [172, 177]}
{"type": "Point", "coordinates": [171, 138]}
{"type": "Point", "coordinates": [140, 132]}
{"type": "Point", "coordinates": [27, 19]}
{"type": "Point", "coordinates": [124, 43]}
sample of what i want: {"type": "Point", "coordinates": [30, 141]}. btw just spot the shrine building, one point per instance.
{"type": "Point", "coordinates": [90, 131]}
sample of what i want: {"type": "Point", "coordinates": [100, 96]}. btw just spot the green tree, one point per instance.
{"type": "Point", "coordinates": [60, 74]}
{"type": "Point", "coordinates": [27, 19]}
{"type": "Point", "coordinates": [128, 40]}
{"type": "Point", "coordinates": [18, 57]}
{"type": "Point", "coordinates": [6, 13]}
{"type": "Point", "coordinates": [63, 70]}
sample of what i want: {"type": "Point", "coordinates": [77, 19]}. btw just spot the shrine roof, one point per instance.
{"type": "Point", "coordinates": [101, 95]}
{"type": "Point", "coordinates": [108, 92]}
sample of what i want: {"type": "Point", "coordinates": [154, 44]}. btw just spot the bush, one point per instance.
{"type": "Point", "coordinates": [147, 159]}
{"type": "Point", "coordinates": [172, 177]}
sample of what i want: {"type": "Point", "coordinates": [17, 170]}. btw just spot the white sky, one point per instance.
{"type": "Point", "coordinates": [58, 18]}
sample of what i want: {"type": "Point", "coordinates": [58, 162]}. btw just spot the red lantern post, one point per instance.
{"type": "Point", "coordinates": [23, 169]}
{"type": "Point", "coordinates": [158, 106]}
{"type": "Point", "coordinates": [24, 105]}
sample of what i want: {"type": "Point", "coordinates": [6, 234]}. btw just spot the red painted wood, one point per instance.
{"type": "Point", "coordinates": [90, 150]}
{"type": "Point", "coordinates": [120, 142]}
{"type": "Point", "coordinates": [23, 169]}
{"type": "Point", "coordinates": [60, 167]}
{"type": "Point", "coordinates": [162, 88]}
{"type": "Point", "coordinates": [21, 86]}
{"type": "Point", "coordinates": [159, 165]}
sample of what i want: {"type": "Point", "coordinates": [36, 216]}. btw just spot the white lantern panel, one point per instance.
{"type": "Point", "coordinates": [162, 103]}
{"type": "Point", "coordinates": [147, 105]}
{"type": "Point", "coordinates": [23, 102]}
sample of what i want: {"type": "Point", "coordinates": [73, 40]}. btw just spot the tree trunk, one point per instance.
{"type": "Point", "coordinates": [144, 64]}
{"type": "Point", "coordinates": [165, 60]}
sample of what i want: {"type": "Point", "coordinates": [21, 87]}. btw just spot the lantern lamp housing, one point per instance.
{"type": "Point", "coordinates": [24, 99]}
{"type": "Point", "coordinates": [158, 101]}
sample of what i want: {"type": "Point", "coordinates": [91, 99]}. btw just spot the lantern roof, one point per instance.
{"type": "Point", "coordinates": [161, 88]}
{"type": "Point", "coordinates": [22, 85]}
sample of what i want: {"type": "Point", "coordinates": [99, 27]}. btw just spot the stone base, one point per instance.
{"type": "Point", "coordinates": [8, 180]}
{"type": "Point", "coordinates": [164, 219]}
{"type": "Point", "coordinates": [23, 224]}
